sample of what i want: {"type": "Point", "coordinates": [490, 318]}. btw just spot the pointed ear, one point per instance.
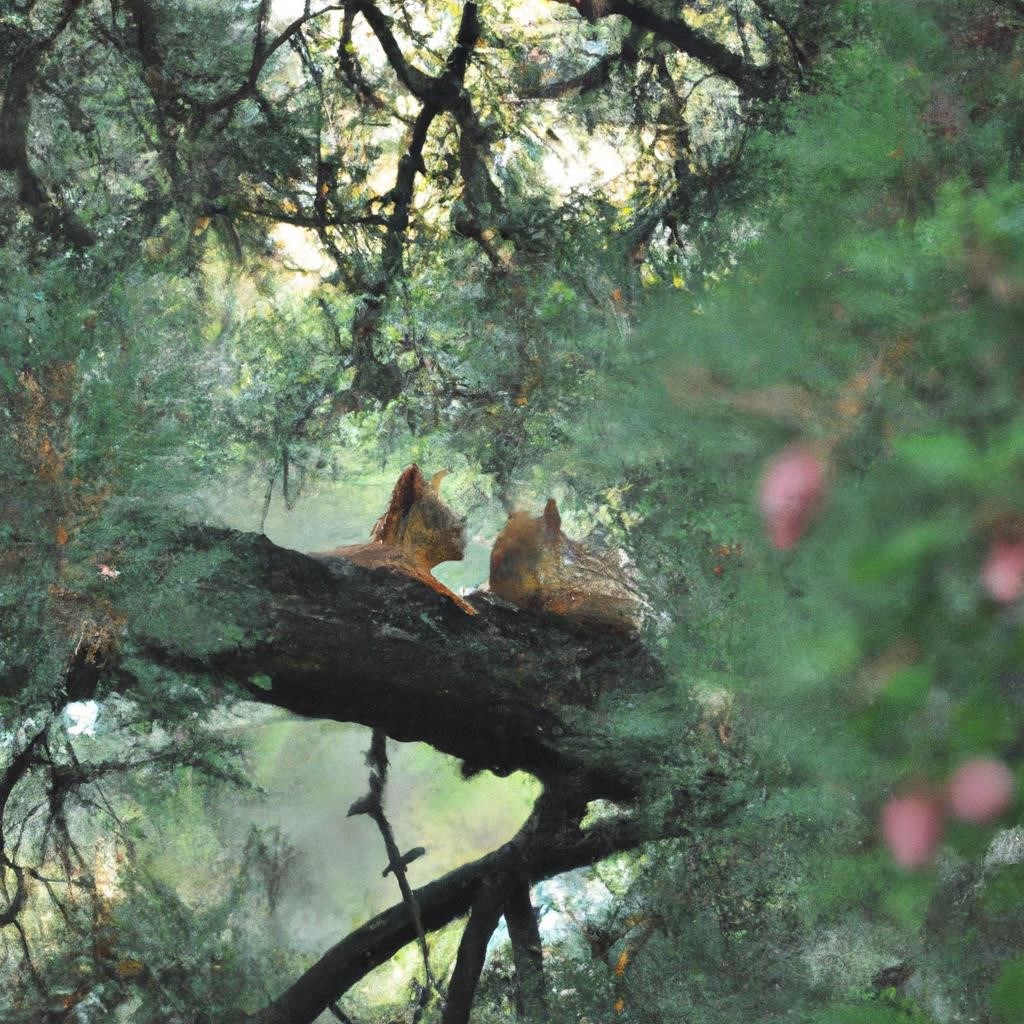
{"type": "Point", "coordinates": [409, 488]}
{"type": "Point", "coordinates": [435, 480]}
{"type": "Point", "coordinates": [552, 520]}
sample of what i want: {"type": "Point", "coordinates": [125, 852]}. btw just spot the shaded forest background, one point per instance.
{"type": "Point", "coordinates": [739, 282]}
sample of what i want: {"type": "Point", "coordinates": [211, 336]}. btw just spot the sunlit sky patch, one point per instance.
{"type": "Point", "coordinates": [83, 715]}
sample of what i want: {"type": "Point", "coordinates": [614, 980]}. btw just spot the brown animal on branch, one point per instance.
{"type": "Point", "coordinates": [536, 567]}
{"type": "Point", "coordinates": [418, 531]}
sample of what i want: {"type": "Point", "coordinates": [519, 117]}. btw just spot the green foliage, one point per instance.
{"type": "Point", "coordinates": [871, 311]}
{"type": "Point", "coordinates": [221, 964]}
{"type": "Point", "coordinates": [868, 1014]}
{"type": "Point", "coordinates": [847, 272]}
{"type": "Point", "coordinates": [1008, 991]}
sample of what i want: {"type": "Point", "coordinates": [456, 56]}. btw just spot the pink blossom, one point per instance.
{"type": "Point", "coordinates": [791, 492]}
{"type": "Point", "coordinates": [912, 827]}
{"type": "Point", "coordinates": [980, 790]}
{"type": "Point", "coordinates": [1002, 575]}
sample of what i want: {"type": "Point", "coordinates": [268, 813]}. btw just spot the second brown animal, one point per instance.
{"type": "Point", "coordinates": [535, 566]}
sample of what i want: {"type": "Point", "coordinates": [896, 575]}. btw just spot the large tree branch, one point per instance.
{"type": "Point", "coordinates": [420, 84]}
{"type": "Point", "coordinates": [321, 636]}
{"type": "Point", "coordinates": [469, 961]}
{"type": "Point", "coordinates": [524, 934]}
{"type": "Point", "coordinates": [325, 638]}
{"type": "Point", "coordinates": [501, 689]}
{"type": "Point", "coordinates": [465, 40]}
{"type": "Point", "coordinates": [351, 68]}
{"type": "Point", "coordinates": [749, 78]}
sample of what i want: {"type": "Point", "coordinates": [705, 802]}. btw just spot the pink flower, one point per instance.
{"type": "Point", "coordinates": [1002, 575]}
{"type": "Point", "coordinates": [792, 490]}
{"type": "Point", "coordinates": [980, 790]}
{"type": "Point", "coordinates": [912, 828]}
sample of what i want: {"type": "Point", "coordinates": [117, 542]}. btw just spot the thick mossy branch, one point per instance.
{"type": "Point", "coordinates": [321, 637]}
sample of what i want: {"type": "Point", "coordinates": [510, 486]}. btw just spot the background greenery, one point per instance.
{"type": "Point", "coordinates": [840, 263]}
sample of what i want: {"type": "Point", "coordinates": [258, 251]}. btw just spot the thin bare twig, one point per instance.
{"type": "Point", "coordinates": [373, 806]}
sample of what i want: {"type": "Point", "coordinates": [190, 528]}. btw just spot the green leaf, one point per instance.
{"type": "Point", "coordinates": [906, 551]}
{"type": "Point", "coordinates": [982, 723]}
{"type": "Point", "coordinates": [908, 900]}
{"type": "Point", "coordinates": [1007, 994]}
{"type": "Point", "coordinates": [940, 458]}
{"type": "Point", "coordinates": [909, 687]}
{"type": "Point", "coordinates": [1008, 450]}
{"type": "Point", "coordinates": [1004, 889]}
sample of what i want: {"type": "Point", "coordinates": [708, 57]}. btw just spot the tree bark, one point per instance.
{"type": "Point", "coordinates": [502, 690]}
{"type": "Point", "coordinates": [524, 934]}
{"type": "Point", "coordinates": [469, 963]}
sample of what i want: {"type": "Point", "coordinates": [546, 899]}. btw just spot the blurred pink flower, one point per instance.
{"type": "Point", "coordinates": [912, 827]}
{"type": "Point", "coordinates": [980, 790]}
{"type": "Point", "coordinates": [791, 492]}
{"type": "Point", "coordinates": [1002, 575]}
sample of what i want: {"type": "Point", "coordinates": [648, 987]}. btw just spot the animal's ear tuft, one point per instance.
{"type": "Point", "coordinates": [552, 520]}
{"type": "Point", "coordinates": [409, 488]}
{"type": "Point", "coordinates": [435, 480]}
